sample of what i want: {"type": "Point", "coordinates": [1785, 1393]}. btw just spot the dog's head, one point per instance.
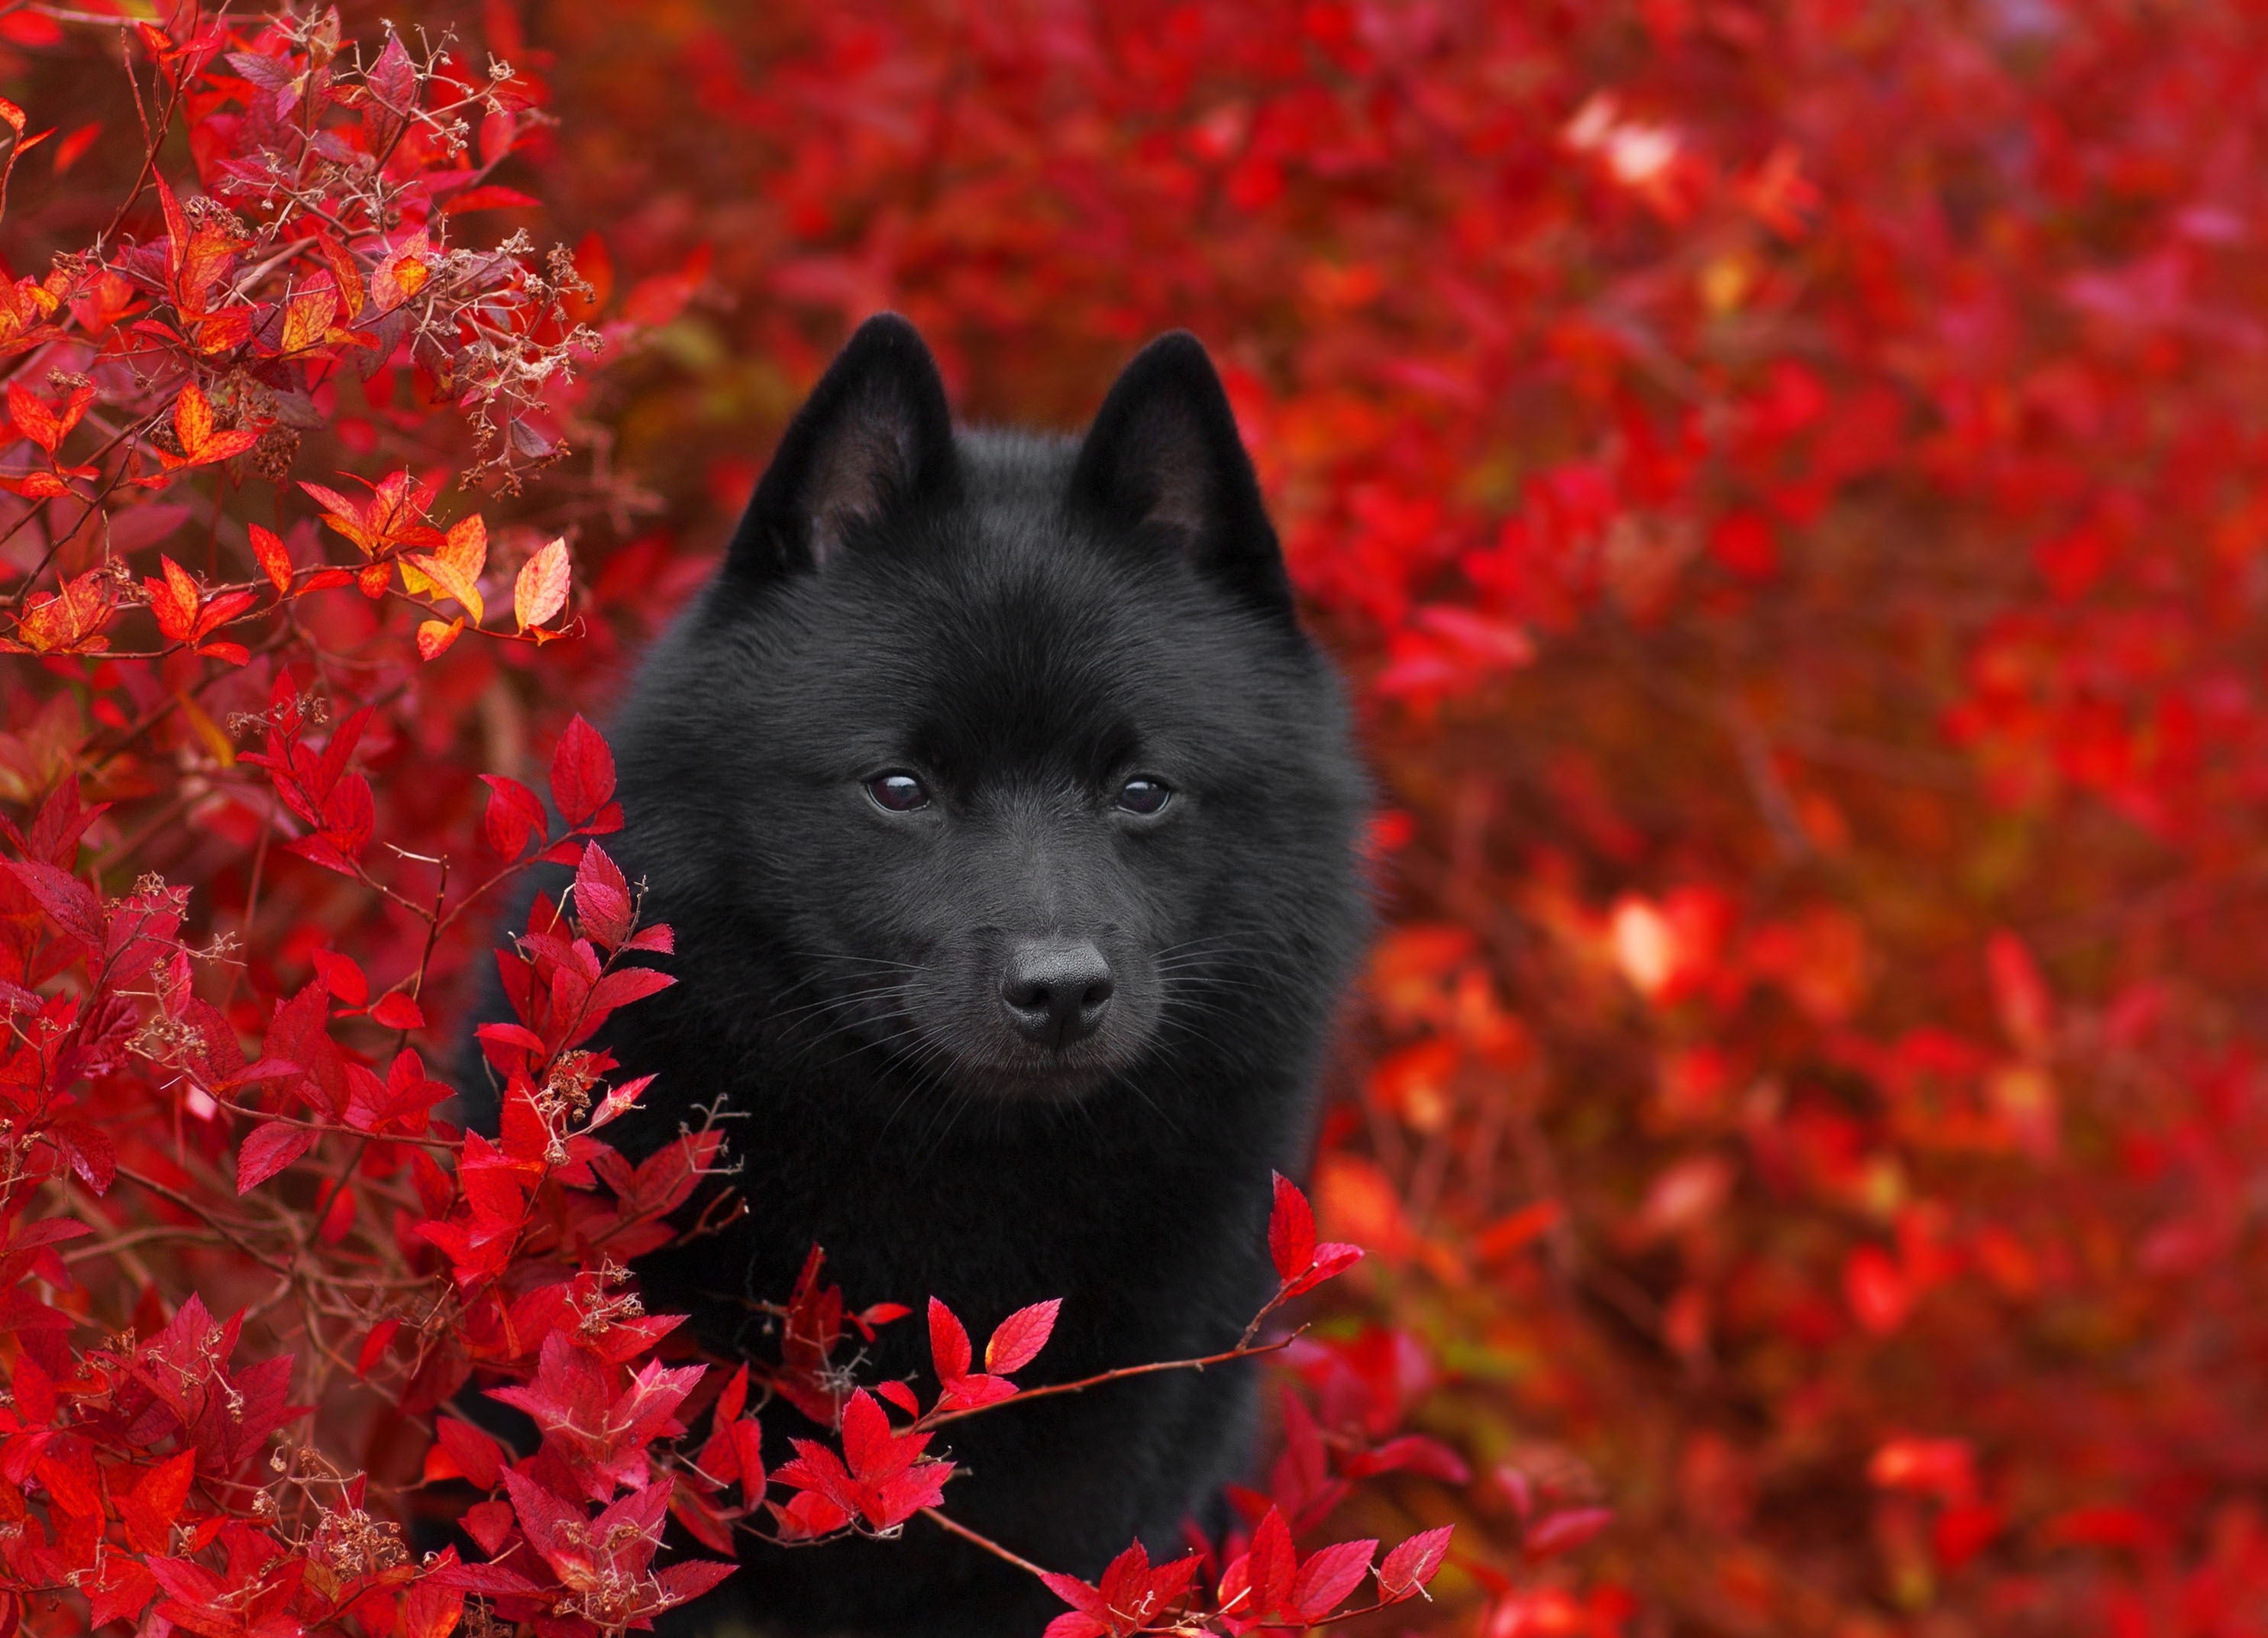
{"type": "Point", "coordinates": [1014, 744]}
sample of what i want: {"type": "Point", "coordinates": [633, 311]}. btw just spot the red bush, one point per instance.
{"type": "Point", "coordinates": [157, 1478]}
{"type": "Point", "coordinates": [1781, 478]}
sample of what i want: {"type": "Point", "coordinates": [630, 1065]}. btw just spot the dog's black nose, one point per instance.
{"type": "Point", "coordinates": [1057, 990]}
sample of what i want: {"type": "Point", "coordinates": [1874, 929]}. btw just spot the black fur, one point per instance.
{"type": "Point", "coordinates": [1023, 624]}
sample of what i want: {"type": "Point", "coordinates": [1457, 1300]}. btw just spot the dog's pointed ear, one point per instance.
{"type": "Point", "coordinates": [874, 440]}
{"type": "Point", "coordinates": [1163, 458]}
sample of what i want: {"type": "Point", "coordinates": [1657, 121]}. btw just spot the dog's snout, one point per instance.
{"type": "Point", "coordinates": [1056, 989]}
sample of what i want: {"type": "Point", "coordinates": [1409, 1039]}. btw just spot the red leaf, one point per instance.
{"type": "Point", "coordinates": [478, 1457]}
{"type": "Point", "coordinates": [374, 1346]}
{"type": "Point", "coordinates": [1019, 1338]}
{"type": "Point", "coordinates": [1290, 1230]}
{"type": "Point", "coordinates": [1564, 1532]}
{"type": "Point", "coordinates": [602, 898]}
{"type": "Point", "coordinates": [582, 774]}
{"type": "Point", "coordinates": [1413, 1563]}
{"type": "Point", "coordinates": [948, 1343]}
{"type": "Point", "coordinates": [271, 1147]}
{"type": "Point", "coordinates": [155, 1502]}
{"type": "Point", "coordinates": [1332, 1258]}
{"type": "Point", "coordinates": [1326, 1579]}
{"type": "Point", "coordinates": [343, 977]}
{"type": "Point", "coordinates": [397, 1011]}
{"type": "Point", "coordinates": [514, 815]}
{"type": "Point", "coordinates": [747, 1438]}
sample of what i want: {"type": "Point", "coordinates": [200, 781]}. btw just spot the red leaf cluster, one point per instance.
{"type": "Point", "coordinates": [1783, 481]}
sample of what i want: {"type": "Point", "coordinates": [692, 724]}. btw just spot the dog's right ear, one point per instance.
{"type": "Point", "coordinates": [874, 440]}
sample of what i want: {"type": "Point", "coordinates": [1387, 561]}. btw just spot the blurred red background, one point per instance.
{"type": "Point", "coordinates": [1786, 484]}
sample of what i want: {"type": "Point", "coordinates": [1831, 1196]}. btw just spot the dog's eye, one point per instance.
{"type": "Point", "coordinates": [900, 793]}
{"type": "Point", "coordinates": [1144, 796]}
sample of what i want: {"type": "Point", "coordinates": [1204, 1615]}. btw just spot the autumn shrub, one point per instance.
{"type": "Point", "coordinates": [1782, 480]}
{"type": "Point", "coordinates": [190, 1133]}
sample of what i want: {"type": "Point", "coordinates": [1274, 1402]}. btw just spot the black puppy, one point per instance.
{"type": "Point", "coordinates": [1008, 824]}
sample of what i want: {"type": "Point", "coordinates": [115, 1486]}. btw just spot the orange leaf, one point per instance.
{"type": "Point", "coordinates": [434, 637]}
{"type": "Point", "coordinates": [401, 275]}
{"type": "Point", "coordinates": [274, 562]}
{"type": "Point", "coordinates": [308, 316]}
{"type": "Point", "coordinates": [193, 418]}
{"type": "Point", "coordinates": [344, 271]}
{"type": "Point", "coordinates": [68, 622]}
{"type": "Point", "coordinates": [192, 427]}
{"type": "Point", "coordinates": [541, 591]}
{"type": "Point", "coordinates": [173, 600]}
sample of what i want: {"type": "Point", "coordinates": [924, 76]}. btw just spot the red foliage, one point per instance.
{"type": "Point", "coordinates": [1781, 479]}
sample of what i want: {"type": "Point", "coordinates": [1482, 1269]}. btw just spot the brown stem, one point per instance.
{"type": "Point", "coordinates": [1240, 1352]}
{"type": "Point", "coordinates": [985, 1542]}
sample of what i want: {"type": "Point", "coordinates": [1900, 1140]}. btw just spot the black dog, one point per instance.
{"type": "Point", "coordinates": [1008, 825]}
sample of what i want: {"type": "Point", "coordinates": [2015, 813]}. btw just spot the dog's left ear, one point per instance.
{"type": "Point", "coordinates": [1163, 458]}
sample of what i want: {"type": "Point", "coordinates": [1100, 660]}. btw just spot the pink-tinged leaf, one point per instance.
{"type": "Point", "coordinates": [617, 1102]}
{"type": "Point", "coordinates": [1326, 1578]}
{"type": "Point", "coordinates": [680, 1583]}
{"type": "Point", "coordinates": [397, 1011]}
{"type": "Point", "coordinates": [1564, 1532]}
{"type": "Point", "coordinates": [969, 1393]}
{"type": "Point", "coordinates": [1291, 1231]}
{"type": "Point", "coordinates": [271, 1147]}
{"type": "Point", "coordinates": [1085, 1599]}
{"type": "Point", "coordinates": [869, 1445]}
{"type": "Point", "coordinates": [1412, 1453]}
{"type": "Point", "coordinates": [948, 1343]}
{"type": "Point", "coordinates": [541, 590]}
{"type": "Point", "coordinates": [1075, 1624]}
{"type": "Point", "coordinates": [900, 1395]}
{"type": "Point", "coordinates": [896, 1499]}
{"type": "Point", "coordinates": [581, 773]}
{"type": "Point", "coordinates": [1019, 1339]}
{"type": "Point", "coordinates": [1270, 1565]}
{"type": "Point", "coordinates": [1413, 1563]}
{"type": "Point", "coordinates": [602, 898]}
{"type": "Point", "coordinates": [1332, 1258]}
{"type": "Point", "coordinates": [625, 985]}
